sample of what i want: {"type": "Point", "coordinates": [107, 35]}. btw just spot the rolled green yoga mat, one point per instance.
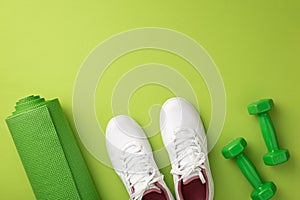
{"type": "Point", "coordinates": [48, 150]}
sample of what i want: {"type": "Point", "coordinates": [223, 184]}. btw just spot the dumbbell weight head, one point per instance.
{"type": "Point", "coordinates": [260, 106]}
{"type": "Point", "coordinates": [234, 148]}
{"type": "Point", "coordinates": [276, 157]}
{"type": "Point", "coordinates": [264, 192]}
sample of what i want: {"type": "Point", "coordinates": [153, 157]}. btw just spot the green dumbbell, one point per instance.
{"type": "Point", "coordinates": [234, 149]}
{"type": "Point", "coordinates": [275, 155]}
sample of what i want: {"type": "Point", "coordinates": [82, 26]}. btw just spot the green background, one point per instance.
{"type": "Point", "coordinates": [255, 44]}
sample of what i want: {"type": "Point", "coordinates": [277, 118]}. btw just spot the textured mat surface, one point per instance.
{"type": "Point", "coordinates": [48, 150]}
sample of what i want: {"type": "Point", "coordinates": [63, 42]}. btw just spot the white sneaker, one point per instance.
{"type": "Point", "coordinates": [132, 159]}
{"type": "Point", "coordinates": [185, 140]}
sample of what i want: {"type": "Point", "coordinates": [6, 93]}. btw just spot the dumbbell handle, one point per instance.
{"type": "Point", "coordinates": [249, 170]}
{"type": "Point", "coordinates": [268, 131]}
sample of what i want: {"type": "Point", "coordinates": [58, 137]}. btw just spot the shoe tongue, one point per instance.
{"type": "Point", "coordinates": [138, 169]}
{"type": "Point", "coordinates": [189, 154]}
{"type": "Point", "coordinates": [153, 188]}
{"type": "Point", "coordinates": [140, 186]}
{"type": "Point", "coordinates": [190, 178]}
{"type": "Point", "coordinates": [190, 158]}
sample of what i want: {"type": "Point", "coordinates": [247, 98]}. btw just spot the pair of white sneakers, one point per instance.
{"type": "Point", "coordinates": [184, 138]}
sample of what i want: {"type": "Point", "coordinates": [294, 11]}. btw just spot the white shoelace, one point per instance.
{"type": "Point", "coordinates": [187, 144]}
{"type": "Point", "coordinates": [139, 173]}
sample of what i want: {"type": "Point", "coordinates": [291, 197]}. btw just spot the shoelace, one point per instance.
{"type": "Point", "coordinates": [186, 144]}
{"type": "Point", "coordinates": [138, 171]}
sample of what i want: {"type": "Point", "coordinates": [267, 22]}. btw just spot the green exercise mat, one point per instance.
{"type": "Point", "coordinates": [48, 150]}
